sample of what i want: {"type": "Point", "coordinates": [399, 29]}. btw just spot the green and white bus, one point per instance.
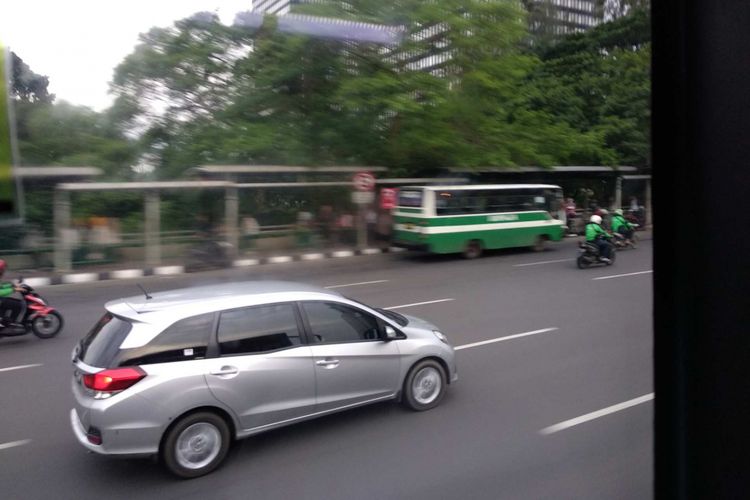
{"type": "Point", "coordinates": [470, 219]}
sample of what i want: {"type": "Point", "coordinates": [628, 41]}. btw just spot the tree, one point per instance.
{"type": "Point", "coordinates": [200, 92]}
{"type": "Point", "coordinates": [598, 83]}
{"type": "Point", "coordinates": [27, 85]}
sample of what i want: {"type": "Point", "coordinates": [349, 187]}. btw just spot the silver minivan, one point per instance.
{"type": "Point", "coordinates": [182, 373]}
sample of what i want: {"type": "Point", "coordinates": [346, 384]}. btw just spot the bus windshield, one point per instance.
{"type": "Point", "coordinates": [410, 198]}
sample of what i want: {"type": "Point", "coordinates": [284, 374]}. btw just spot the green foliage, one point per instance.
{"type": "Point", "coordinates": [63, 134]}
{"type": "Point", "coordinates": [599, 83]}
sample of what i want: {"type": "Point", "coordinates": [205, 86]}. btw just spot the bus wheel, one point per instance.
{"type": "Point", "coordinates": [473, 249]}
{"type": "Point", "coordinates": [539, 244]}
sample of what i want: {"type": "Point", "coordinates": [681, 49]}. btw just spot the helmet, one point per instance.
{"type": "Point", "coordinates": [3, 265]}
{"type": "Point", "coordinates": [618, 211]}
{"type": "Point", "coordinates": [596, 219]}
{"type": "Point", "coordinates": [604, 211]}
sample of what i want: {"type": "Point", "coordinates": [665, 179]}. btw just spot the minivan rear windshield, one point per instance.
{"type": "Point", "coordinates": [100, 347]}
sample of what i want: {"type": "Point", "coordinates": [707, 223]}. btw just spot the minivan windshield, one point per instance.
{"type": "Point", "coordinates": [100, 347]}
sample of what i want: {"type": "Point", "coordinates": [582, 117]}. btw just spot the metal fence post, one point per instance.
{"type": "Point", "coordinates": [63, 251]}
{"type": "Point", "coordinates": [152, 228]}
{"type": "Point", "coordinates": [618, 192]}
{"type": "Point", "coordinates": [231, 219]}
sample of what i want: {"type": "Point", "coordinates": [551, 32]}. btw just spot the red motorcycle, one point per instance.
{"type": "Point", "coordinates": [37, 317]}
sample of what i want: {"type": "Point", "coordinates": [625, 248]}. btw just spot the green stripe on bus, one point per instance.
{"type": "Point", "coordinates": [473, 219]}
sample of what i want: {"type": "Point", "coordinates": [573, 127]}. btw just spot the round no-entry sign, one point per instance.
{"type": "Point", "coordinates": [363, 181]}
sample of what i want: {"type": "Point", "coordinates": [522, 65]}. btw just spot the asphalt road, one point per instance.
{"type": "Point", "coordinates": [493, 437]}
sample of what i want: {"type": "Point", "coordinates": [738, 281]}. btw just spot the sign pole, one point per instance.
{"type": "Point", "coordinates": [364, 184]}
{"type": "Point", "coordinates": [361, 229]}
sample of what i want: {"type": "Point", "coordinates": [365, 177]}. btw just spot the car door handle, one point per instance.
{"type": "Point", "coordinates": [225, 371]}
{"type": "Point", "coordinates": [328, 363]}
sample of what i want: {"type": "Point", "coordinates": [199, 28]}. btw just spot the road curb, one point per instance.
{"type": "Point", "coordinates": [132, 273]}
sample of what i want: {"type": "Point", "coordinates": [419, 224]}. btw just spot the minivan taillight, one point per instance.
{"type": "Point", "coordinates": [114, 380]}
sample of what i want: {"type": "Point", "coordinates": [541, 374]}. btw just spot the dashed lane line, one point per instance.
{"type": "Point", "coordinates": [567, 424]}
{"type": "Point", "coordinates": [508, 337]}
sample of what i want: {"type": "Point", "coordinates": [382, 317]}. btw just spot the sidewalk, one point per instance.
{"type": "Point", "coordinates": [86, 274]}
{"type": "Point", "coordinates": [103, 272]}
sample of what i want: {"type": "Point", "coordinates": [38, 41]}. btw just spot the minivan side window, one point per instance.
{"type": "Point", "coordinates": [258, 329]}
{"type": "Point", "coordinates": [331, 322]}
{"type": "Point", "coordinates": [184, 340]}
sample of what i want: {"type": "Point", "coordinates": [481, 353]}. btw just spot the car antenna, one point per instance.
{"type": "Point", "coordinates": [148, 297]}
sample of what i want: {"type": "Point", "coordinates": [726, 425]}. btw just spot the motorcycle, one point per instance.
{"type": "Point", "coordinates": [589, 255]}
{"type": "Point", "coordinates": [209, 254]}
{"type": "Point", "coordinates": [636, 219]}
{"type": "Point", "coordinates": [37, 316]}
{"type": "Point", "coordinates": [622, 242]}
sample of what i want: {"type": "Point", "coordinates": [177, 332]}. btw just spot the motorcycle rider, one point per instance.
{"type": "Point", "coordinates": [596, 235]}
{"type": "Point", "coordinates": [620, 225]}
{"type": "Point", "coordinates": [8, 305]}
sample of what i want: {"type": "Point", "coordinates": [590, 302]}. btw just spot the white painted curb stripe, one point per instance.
{"type": "Point", "coordinates": [80, 278]}
{"type": "Point", "coordinates": [37, 282]}
{"type": "Point", "coordinates": [123, 274]}
{"type": "Point", "coordinates": [357, 284]}
{"type": "Point", "coordinates": [596, 414]}
{"type": "Point", "coordinates": [419, 304]}
{"type": "Point", "coordinates": [19, 367]}
{"type": "Point", "coordinates": [164, 270]}
{"type": "Point", "coordinates": [542, 262]}
{"type": "Point", "coordinates": [371, 251]}
{"type": "Point", "coordinates": [621, 275]}
{"type": "Point", "coordinates": [279, 259]}
{"type": "Point", "coordinates": [312, 256]}
{"type": "Point", "coordinates": [509, 337]}
{"type": "Point", "coordinates": [13, 444]}
{"type": "Point", "coordinates": [246, 262]}
{"type": "Point", "coordinates": [343, 253]}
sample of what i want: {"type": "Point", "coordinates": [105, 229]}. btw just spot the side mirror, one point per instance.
{"type": "Point", "coordinates": [390, 333]}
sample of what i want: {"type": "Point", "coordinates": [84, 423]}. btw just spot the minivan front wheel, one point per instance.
{"type": "Point", "coordinates": [196, 445]}
{"type": "Point", "coordinates": [424, 386]}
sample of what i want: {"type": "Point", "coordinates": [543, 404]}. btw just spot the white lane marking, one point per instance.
{"type": "Point", "coordinates": [37, 282]}
{"type": "Point", "coordinates": [279, 259]}
{"type": "Point", "coordinates": [621, 275]}
{"type": "Point", "coordinates": [596, 414]}
{"type": "Point", "coordinates": [313, 256]}
{"type": "Point", "coordinates": [542, 262]}
{"type": "Point", "coordinates": [123, 274]}
{"type": "Point", "coordinates": [418, 304]}
{"type": "Point", "coordinates": [13, 444]}
{"type": "Point", "coordinates": [371, 251]}
{"type": "Point", "coordinates": [19, 367]}
{"type": "Point", "coordinates": [80, 277]}
{"type": "Point", "coordinates": [357, 284]}
{"type": "Point", "coordinates": [166, 270]}
{"type": "Point", "coordinates": [343, 253]}
{"type": "Point", "coordinates": [508, 337]}
{"type": "Point", "coordinates": [245, 262]}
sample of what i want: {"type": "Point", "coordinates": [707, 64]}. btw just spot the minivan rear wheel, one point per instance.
{"type": "Point", "coordinates": [196, 445]}
{"type": "Point", "coordinates": [424, 386]}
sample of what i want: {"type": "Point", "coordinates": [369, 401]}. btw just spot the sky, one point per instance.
{"type": "Point", "coordinates": [78, 43]}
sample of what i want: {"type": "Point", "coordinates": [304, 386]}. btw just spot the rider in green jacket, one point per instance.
{"type": "Point", "coordinates": [596, 234]}
{"type": "Point", "coordinates": [620, 225]}
{"type": "Point", "coordinates": [8, 304]}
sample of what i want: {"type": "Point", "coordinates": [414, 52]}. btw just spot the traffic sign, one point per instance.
{"type": "Point", "coordinates": [363, 181]}
{"type": "Point", "coordinates": [387, 198]}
